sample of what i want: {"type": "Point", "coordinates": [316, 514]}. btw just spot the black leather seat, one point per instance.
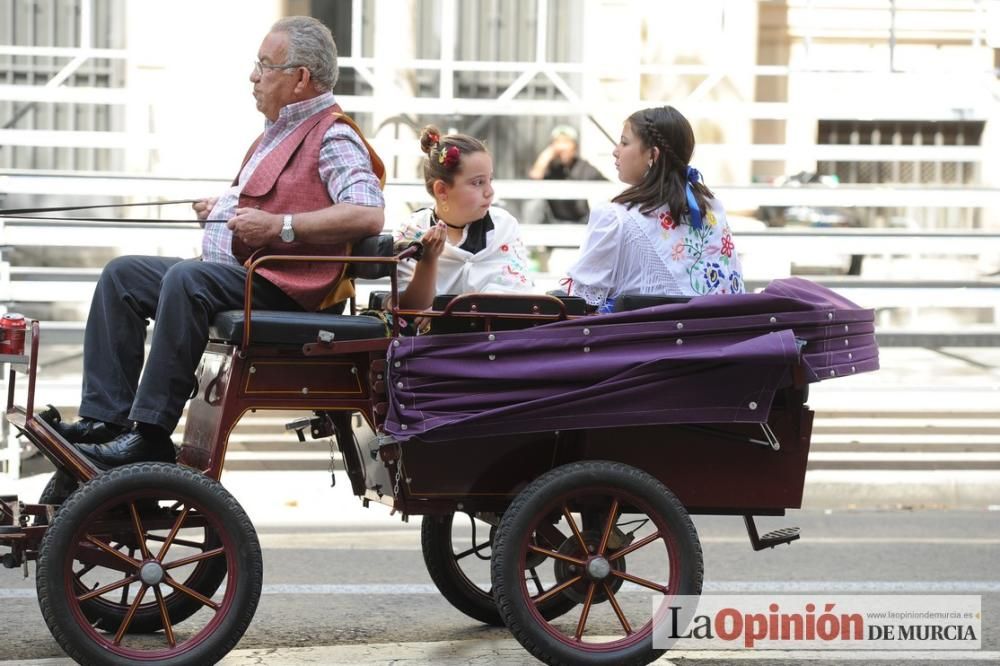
{"type": "Point", "coordinates": [274, 327]}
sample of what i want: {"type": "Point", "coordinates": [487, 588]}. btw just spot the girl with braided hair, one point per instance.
{"type": "Point", "coordinates": [666, 234]}
{"type": "Point", "coordinates": [470, 246]}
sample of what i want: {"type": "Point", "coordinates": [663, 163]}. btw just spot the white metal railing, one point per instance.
{"type": "Point", "coordinates": [735, 197]}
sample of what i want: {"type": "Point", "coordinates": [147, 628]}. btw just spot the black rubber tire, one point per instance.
{"type": "Point", "coordinates": [449, 578]}
{"type": "Point", "coordinates": [51, 493]}
{"type": "Point", "coordinates": [68, 618]}
{"type": "Point", "coordinates": [535, 502]}
{"type": "Point", "coordinates": [452, 582]}
{"type": "Point", "coordinates": [56, 491]}
{"type": "Point", "coordinates": [206, 578]}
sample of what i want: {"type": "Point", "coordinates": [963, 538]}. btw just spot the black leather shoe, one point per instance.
{"type": "Point", "coordinates": [89, 431]}
{"type": "Point", "coordinates": [129, 447]}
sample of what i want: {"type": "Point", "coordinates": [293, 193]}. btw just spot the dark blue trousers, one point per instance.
{"type": "Point", "coordinates": [182, 296]}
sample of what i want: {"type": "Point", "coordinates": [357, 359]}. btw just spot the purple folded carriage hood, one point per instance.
{"type": "Point", "coordinates": [715, 359]}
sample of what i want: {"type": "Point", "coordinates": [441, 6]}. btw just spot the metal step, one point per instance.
{"type": "Point", "coordinates": [771, 539]}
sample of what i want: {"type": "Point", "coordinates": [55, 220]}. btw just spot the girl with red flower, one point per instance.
{"type": "Point", "coordinates": [469, 245]}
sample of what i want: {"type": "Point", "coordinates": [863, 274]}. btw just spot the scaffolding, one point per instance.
{"type": "Point", "coordinates": [898, 99]}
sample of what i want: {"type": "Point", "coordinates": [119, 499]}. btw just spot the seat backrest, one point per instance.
{"type": "Point", "coordinates": [372, 246]}
{"type": "Point", "coordinates": [627, 302]}
{"type": "Point", "coordinates": [514, 305]}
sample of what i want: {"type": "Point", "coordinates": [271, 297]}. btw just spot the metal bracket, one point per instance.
{"type": "Point", "coordinates": [771, 440]}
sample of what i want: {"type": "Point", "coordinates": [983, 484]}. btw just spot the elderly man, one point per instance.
{"type": "Point", "coordinates": [308, 185]}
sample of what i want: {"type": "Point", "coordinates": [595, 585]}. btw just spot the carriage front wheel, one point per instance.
{"type": "Point", "coordinates": [155, 548]}
{"type": "Point", "coordinates": [628, 538]}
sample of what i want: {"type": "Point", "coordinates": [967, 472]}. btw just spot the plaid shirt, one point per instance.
{"type": "Point", "coordinates": [344, 165]}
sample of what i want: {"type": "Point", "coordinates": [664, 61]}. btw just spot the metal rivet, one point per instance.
{"type": "Point", "coordinates": [833, 373]}
{"type": "Point", "coordinates": [252, 369]}
{"type": "Point", "coordinates": [586, 331]}
{"type": "Point", "coordinates": [753, 405]}
{"type": "Point", "coordinates": [305, 390]}
{"type": "Point", "coordinates": [774, 320]}
{"type": "Point", "coordinates": [586, 349]}
{"type": "Point", "coordinates": [493, 357]}
{"type": "Point", "coordinates": [354, 370]}
{"type": "Point", "coordinates": [679, 341]}
{"type": "Point", "coordinates": [379, 376]}
{"type": "Point", "coordinates": [395, 343]}
{"type": "Point", "coordinates": [492, 337]}
{"type": "Point", "coordinates": [680, 325]}
{"type": "Point", "coordinates": [397, 364]}
{"type": "Point", "coordinates": [829, 315]}
{"type": "Point", "coordinates": [853, 369]}
{"type": "Point", "coordinates": [847, 343]}
{"type": "Point", "coordinates": [399, 385]}
{"type": "Point", "coordinates": [850, 356]}
{"type": "Point", "coordinates": [846, 328]}
{"type": "Point", "coordinates": [402, 427]}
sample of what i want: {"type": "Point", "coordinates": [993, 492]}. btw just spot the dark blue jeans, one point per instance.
{"type": "Point", "coordinates": [182, 296]}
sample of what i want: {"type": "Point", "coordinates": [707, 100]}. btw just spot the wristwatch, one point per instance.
{"type": "Point", "coordinates": [287, 233]}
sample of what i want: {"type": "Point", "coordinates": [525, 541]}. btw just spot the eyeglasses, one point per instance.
{"type": "Point", "coordinates": [259, 67]}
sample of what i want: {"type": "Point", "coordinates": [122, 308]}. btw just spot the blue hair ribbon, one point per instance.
{"type": "Point", "coordinates": [693, 176]}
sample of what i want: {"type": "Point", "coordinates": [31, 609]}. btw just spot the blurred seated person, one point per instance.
{"type": "Point", "coordinates": [666, 234]}
{"type": "Point", "coordinates": [469, 245]}
{"type": "Point", "coordinates": [560, 160]}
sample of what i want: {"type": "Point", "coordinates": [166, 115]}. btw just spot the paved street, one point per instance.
{"type": "Point", "coordinates": [350, 593]}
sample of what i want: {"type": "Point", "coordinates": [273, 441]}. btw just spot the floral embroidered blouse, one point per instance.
{"type": "Point", "coordinates": [626, 252]}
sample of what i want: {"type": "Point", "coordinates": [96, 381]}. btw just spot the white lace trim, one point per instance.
{"type": "Point", "coordinates": [655, 278]}
{"type": "Point", "coordinates": [593, 295]}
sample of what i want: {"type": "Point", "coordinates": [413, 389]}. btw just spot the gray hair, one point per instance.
{"type": "Point", "coordinates": [311, 45]}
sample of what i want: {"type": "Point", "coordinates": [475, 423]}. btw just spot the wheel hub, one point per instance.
{"type": "Point", "coordinates": [598, 568]}
{"type": "Point", "coordinates": [151, 573]}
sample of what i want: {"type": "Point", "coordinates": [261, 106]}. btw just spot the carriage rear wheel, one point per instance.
{"type": "Point", "coordinates": [612, 513]}
{"type": "Point", "coordinates": [141, 549]}
{"type": "Point", "coordinates": [456, 558]}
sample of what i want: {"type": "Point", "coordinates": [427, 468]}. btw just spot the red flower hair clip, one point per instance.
{"type": "Point", "coordinates": [434, 137]}
{"type": "Point", "coordinates": [449, 157]}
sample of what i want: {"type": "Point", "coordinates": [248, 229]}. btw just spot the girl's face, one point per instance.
{"type": "Point", "coordinates": [470, 196]}
{"type": "Point", "coordinates": [631, 157]}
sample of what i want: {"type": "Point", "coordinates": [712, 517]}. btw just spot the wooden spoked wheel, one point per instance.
{"type": "Point", "coordinates": [149, 562]}
{"type": "Point", "coordinates": [629, 542]}
{"type": "Point", "coordinates": [457, 548]}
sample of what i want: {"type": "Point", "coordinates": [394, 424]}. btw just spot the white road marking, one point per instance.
{"type": "Point", "coordinates": [409, 539]}
{"type": "Point", "coordinates": [743, 586]}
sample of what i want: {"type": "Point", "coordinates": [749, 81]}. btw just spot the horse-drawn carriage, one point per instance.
{"type": "Point", "coordinates": [580, 444]}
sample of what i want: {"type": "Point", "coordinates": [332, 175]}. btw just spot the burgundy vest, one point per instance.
{"type": "Point", "coordinates": [287, 181]}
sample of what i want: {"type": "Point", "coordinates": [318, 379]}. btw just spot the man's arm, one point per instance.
{"type": "Point", "coordinates": [541, 165]}
{"type": "Point", "coordinates": [339, 223]}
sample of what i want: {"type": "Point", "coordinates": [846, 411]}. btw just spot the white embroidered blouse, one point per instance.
{"type": "Point", "coordinates": [626, 252]}
{"type": "Point", "coordinates": [500, 267]}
